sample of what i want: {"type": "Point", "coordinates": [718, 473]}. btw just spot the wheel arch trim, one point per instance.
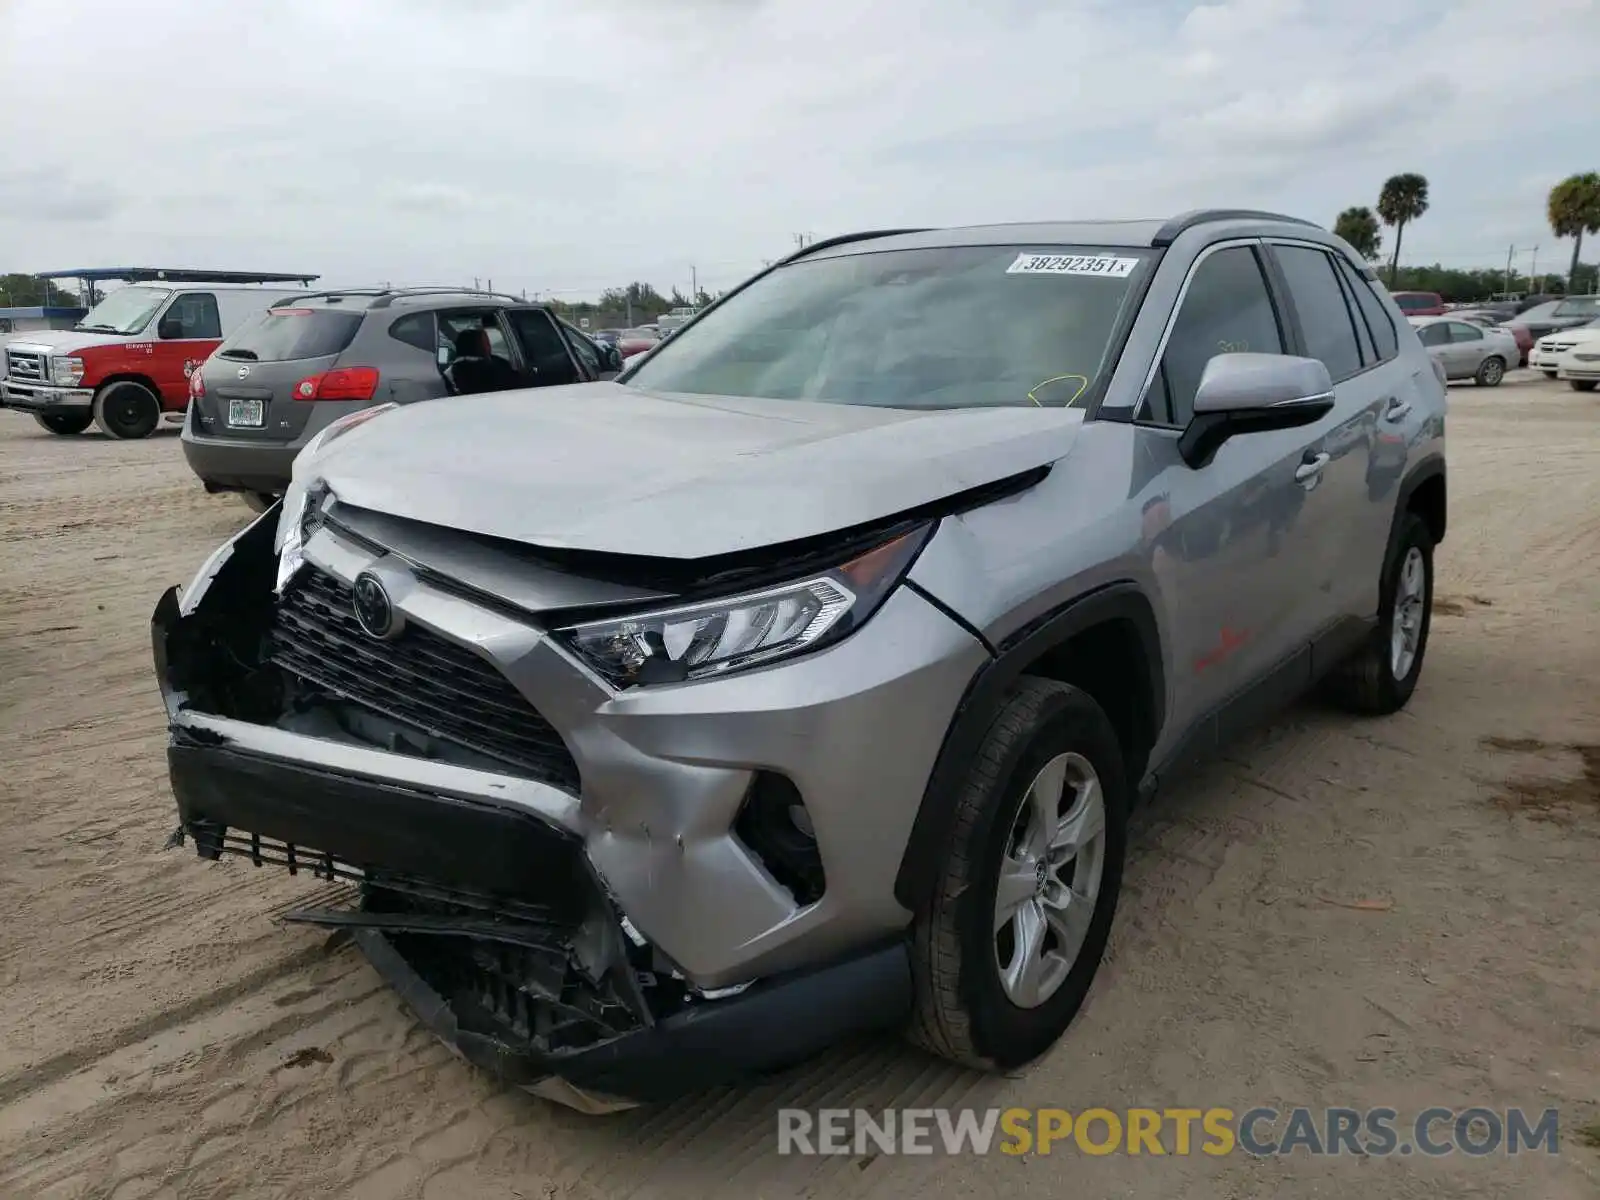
{"type": "Point", "coordinates": [1124, 601]}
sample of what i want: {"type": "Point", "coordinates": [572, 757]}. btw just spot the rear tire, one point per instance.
{"type": "Point", "coordinates": [126, 410]}
{"type": "Point", "coordinates": [965, 1010]}
{"type": "Point", "coordinates": [259, 502]}
{"type": "Point", "coordinates": [1379, 679]}
{"type": "Point", "coordinates": [1490, 372]}
{"type": "Point", "coordinates": [1581, 385]}
{"type": "Point", "coordinates": [65, 424]}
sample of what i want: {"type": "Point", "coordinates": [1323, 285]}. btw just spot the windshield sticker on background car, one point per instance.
{"type": "Point", "coordinates": [1073, 264]}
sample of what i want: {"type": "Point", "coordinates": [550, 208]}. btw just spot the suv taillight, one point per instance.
{"type": "Point", "coordinates": [342, 383]}
{"type": "Point", "coordinates": [197, 385]}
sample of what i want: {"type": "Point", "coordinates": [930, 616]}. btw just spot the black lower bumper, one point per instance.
{"type": "Point", "coordinates": [516, 868]}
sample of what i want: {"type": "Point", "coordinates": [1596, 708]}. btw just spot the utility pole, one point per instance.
{"type": "Point", "coordinates": [1510, 250]}
{"type": "Point", "coordinates": [694, 285]}
{"type": "Point", "coordinates": [1533, 262]}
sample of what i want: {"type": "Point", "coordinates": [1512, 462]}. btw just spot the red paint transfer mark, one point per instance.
{"type": "Point", "coordinates": [1232, 639]}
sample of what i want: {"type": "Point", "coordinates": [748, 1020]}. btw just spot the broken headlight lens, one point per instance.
{"type": "Point", "coordinates": [692, 641]}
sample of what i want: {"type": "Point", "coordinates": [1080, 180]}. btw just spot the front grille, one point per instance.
{"type": "Point", "coordinates": [23, 367]}
{"type": "Point", "coordinates": [419, 679]}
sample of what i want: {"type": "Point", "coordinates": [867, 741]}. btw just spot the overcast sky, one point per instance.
{"type": "Point", "coordinates": [566, 147]}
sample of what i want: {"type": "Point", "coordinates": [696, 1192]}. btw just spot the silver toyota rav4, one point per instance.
{"type": "Point", "coordinates": [799, 682]}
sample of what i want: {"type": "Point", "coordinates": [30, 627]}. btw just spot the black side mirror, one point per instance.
{"type": "Point", "coordinates": [169, 328]}
{"type": "Point", "coordinates": [613, 356]}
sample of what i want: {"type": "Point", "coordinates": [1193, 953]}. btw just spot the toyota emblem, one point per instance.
{"type": "Point", "coordinates": [374, 611]}
{"type": "Point", "coordinates": [244, 372]}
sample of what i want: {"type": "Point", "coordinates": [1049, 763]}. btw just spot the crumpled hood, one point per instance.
{"type": "Point", "coordinates": [610, 468]}
{"type": "Point", "coordinates": [63, 341]}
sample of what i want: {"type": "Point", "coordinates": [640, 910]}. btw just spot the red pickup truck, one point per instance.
{"type": "Point", "coordinates": [1420, 304]}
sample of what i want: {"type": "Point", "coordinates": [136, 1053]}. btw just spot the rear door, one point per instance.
{"type": "Point", "coordinates": [547, 358]}
{"type": "Point", "coordinates": [265, 381]}
{"type": "Point", "coordinates": [1467, 347]}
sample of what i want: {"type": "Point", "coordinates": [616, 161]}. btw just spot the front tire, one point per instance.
{"type": "Point", "coordinates": [1490, 372]}
{"type": "Point", "coordinates": [66, 424]}
{"type": "Point", "coordinates": [1581, 385]}
{"type": "Point", "coordinates": [127, 410]}
{"type": "Point", "coordinates": [1379, 678]}
{"type": "Point", "coordinates": [1548, 374]}
{"type": "Point", "coordinates": [1004, 952]}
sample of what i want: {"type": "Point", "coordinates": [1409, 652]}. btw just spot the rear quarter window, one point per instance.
{"type": "Point", "coordinates": [288, 334]}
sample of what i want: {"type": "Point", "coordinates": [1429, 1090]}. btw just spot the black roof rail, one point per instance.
{"type": "Point", "coordinates": [844, 239]}
{"type": "Point", "coordinates": [387, 298]}
{"type": "Point", "coordinates": [1184, 222]}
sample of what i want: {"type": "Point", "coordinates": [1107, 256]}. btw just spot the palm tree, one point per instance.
{"type": "Point", "coordinates": [1404, 198]}
{"type": "Point", "coordinates": [1359, 227]}
{"type": "Point", "coordinates": [1574, 209]}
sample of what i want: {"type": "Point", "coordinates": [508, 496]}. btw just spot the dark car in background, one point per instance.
{"type": "Point", "coordinates": [281, 379]}
{"type": "Point", "coordinates": [1556, 315]}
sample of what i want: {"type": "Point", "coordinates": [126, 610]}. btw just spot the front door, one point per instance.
{"type": "Point", "coordinates": [1230, 543]}
{"type": "Point", "coordinates": [187, 332]}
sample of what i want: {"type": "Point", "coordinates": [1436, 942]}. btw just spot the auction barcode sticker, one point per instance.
{"type": "Point", "coordinates": [1073, 264]}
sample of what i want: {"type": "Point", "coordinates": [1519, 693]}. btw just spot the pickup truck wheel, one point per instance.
{"type": "Point", "coordinates": [1582, 385]}
{"type": "Point", "coordinates": [65, 423]}
{"type": "Point", "coordinates": [1004, 952]}
{"type": "Point", "coordinates": [1380, 677]}
{"type": "Point", "coordinates": [126, 410]}
{"type": "Point", "coordinates": [1490, 372]}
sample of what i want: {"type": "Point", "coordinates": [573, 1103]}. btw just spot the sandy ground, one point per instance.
{"type": "Point", "coordinates": [1396, 913]}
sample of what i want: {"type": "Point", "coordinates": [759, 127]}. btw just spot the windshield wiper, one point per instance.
{"type": "Point", "coordinates": [98, 328]}
{"type": "Point", "coordinates": [250, 354]}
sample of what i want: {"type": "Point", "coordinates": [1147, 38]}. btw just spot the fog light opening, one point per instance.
{"type": "Point", "coordinates": [776, 827]}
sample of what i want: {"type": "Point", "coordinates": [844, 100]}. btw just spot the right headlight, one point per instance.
{"type": "Point", "coordinates": [712, 637]}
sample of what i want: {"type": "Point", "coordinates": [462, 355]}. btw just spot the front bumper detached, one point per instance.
{"type": "Point", "coordinates": [476, 900]}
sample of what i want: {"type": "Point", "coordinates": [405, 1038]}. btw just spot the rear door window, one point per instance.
{"type": "Point", "coordinates": [291, 334]}
{"type": "Point", "coordinates": [584, 349]}
{"type": "Point", "coordinates": [543, 347]}
{"type": "Point", "coordinates": [1460, 331]}
{"type": "Point", "coordinates": [1379, 323]}
{"type": "Point", "coordinates": [1326, 322]}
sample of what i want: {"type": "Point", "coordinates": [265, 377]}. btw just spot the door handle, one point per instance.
{"type": "Point", "coordinates": [1397, 410]}
{"type": "Point", "coordinates": [1311, 468]}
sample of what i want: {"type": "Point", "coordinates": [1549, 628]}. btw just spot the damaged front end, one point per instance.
{"type": "Point", "coordinates": [410, 770]}
{"type": "Point", "coordinates": [488, 919]}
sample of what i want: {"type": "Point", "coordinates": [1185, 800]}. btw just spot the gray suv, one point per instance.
{"type": "Point", "coordinates": [290, 372]}
{"type": "Point", "coordinates": [800, 681]}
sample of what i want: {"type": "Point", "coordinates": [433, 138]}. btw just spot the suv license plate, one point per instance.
{"type": "Point", "coordinates": [251, 413]}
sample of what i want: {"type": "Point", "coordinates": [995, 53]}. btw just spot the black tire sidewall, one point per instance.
{"type": "Point", "coordinates": [1484, 369]}
{"type": "Point", "coordinates": [117, 393]}
{"type": "Point", "coordinates": [71, 420]}
{"type": "Point", "coordinates": [1413, 534]}
{"type": "Point", "coordinates": [1002, 1033]}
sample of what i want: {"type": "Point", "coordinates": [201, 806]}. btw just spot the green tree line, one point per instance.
{"type": "Point", "coordinates": [1572, 208]}
{"type": "Point", "coordinates": [29, 291]}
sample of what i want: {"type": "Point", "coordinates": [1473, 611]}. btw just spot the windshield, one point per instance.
{"type": "Point", "coordinates": [947, 327]}
{"type": "Point", "coordinates": [126, 310]}
{"type": "Point", "coordinates": [1579, 306]}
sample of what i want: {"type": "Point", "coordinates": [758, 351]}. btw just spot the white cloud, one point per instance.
{"type": "Point", "coordinates": [567, 147]}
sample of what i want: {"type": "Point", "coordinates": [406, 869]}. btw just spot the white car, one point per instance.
{"type": "Point", "coordinates": [1571, 354]}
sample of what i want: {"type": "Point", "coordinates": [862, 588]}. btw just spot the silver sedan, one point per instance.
{"type": "Point", "coordinates": [1468, 351]}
